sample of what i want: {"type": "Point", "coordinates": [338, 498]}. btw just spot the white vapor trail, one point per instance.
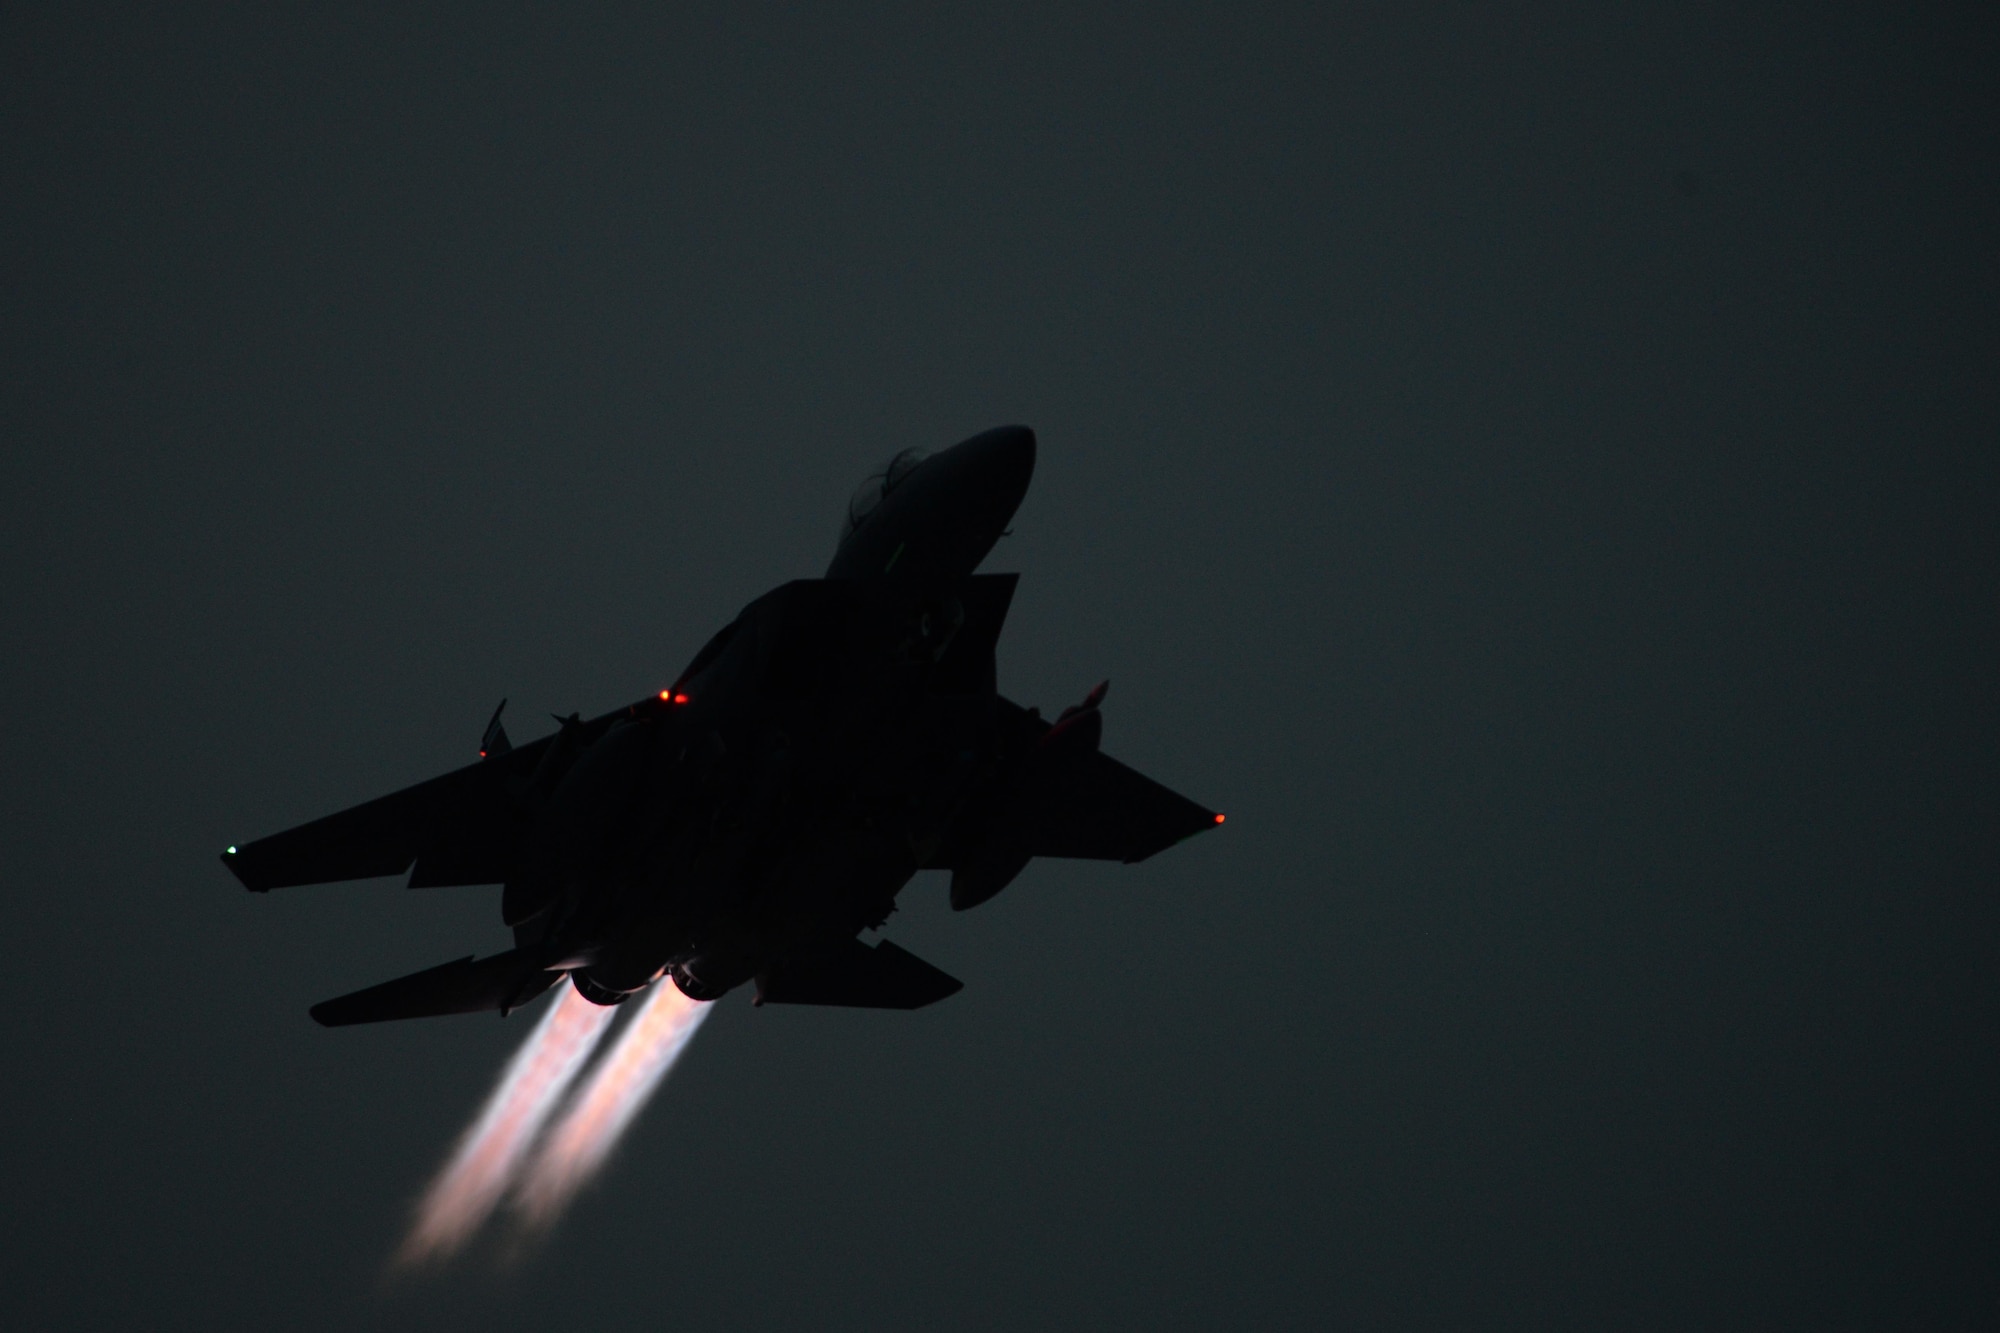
{"type": "Point", "coordinates": [608, 1101]}
{"type": "Point", "coordinates": [489, 1156]}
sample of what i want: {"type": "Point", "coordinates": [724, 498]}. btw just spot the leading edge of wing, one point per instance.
{"type": "Point", "coordinates": [1092, 806]}
{"type": "Point", "coordinates": [386, 835]}
{"type": "Point", "coordinates": [457, 827]}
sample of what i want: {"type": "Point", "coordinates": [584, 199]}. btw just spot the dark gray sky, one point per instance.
{"type": "Point", "coordinates": [1536, 471]}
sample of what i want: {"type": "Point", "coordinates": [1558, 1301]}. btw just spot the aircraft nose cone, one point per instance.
{"type": "Point", "coordinates": [1014, 443]}
{"type": "Point", "coordinates": [935, 527]}
{"type": "Point", "coordinates": [999, 462]}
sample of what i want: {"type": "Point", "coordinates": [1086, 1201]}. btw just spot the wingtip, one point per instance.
{"type": "Point", "coordinates": [232, 861]}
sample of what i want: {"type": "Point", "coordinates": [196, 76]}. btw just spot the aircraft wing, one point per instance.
{"type": "Point", "coordinates": [457, 828]}
{"type": "Point", "coordinates": [1090, 805]}
{"type": "Point", "coordinates": [1062, 796]}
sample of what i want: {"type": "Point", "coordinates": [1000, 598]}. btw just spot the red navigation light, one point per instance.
{"type": "Point", "coordinates": [1218, 819]}
{"type": "Point", "coordinates": [482, 754]}
{"type": "Point", "coordinates": [666, 696]}
{"type": "Point", "coordinates": [680, 698]}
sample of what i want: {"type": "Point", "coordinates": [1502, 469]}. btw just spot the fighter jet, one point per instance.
{"type": "Point", "coordinates": [748, 823]}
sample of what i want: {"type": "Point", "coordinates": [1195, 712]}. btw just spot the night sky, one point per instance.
{"type": "Point", "coordinates": [1536, 471]}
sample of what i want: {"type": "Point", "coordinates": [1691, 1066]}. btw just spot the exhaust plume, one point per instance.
{"type": "Point", "coordinates": [489, 1156]}
{"type": "Point", "coordinates": [608, 1101]}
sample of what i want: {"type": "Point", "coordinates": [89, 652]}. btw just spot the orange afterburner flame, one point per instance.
{"type": "Point", "coordinates": [608, 1101]}
{"type": "Point", "coordinates": [489, 1157]}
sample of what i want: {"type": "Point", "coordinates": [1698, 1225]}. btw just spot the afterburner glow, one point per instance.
{"type": "Point", "coordinates": [489, 1157]}
{"type": "Point", "coordinates": [608, 1100]}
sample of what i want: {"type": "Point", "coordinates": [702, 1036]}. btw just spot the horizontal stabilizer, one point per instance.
{"type": "Point", "coordinates": [464, 986]}
{"type": "Point", "coordinates": [884, 977]}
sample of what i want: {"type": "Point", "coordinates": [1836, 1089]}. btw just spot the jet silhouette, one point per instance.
{"type": "Point", "coordinates": [749, 822]}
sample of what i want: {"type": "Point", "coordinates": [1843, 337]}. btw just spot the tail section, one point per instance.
{"type": "Point", "coordinates": [498, 984]}
{"type": "Point", "coordinates": [884, 977]}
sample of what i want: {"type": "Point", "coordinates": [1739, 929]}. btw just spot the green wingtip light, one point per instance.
{"type": "Point", "coordinates": [230, 850]}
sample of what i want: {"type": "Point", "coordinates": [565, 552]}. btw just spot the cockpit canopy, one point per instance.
{"type": "Point", "coordinates": [875, 486]}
